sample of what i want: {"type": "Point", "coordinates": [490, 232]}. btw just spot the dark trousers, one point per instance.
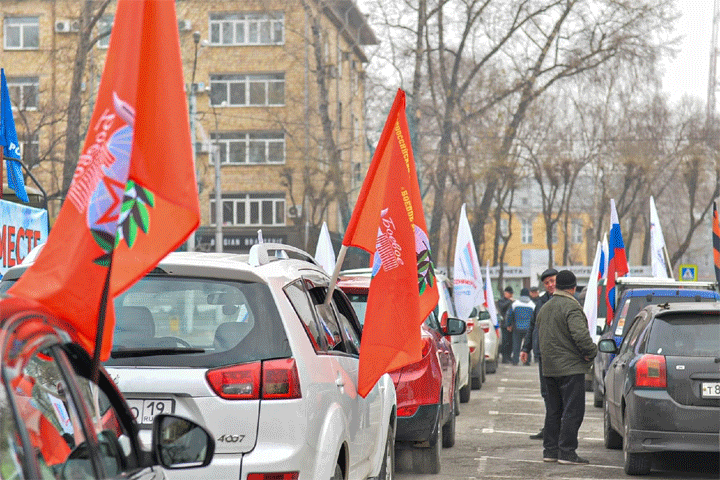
{"type": "Point", "coordinates": [543, 386]}
{"type": "Point", "coordinates": [517, 339]}
{"type": "Point", "coordinates": [564, 412]}
{"type": "Point", "coordinates": [506, 345]}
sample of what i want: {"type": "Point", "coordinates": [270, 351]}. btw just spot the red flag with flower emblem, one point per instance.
{"type": "Point", "coordinates": [388, 222]}
{"type": "Point", "coordinates": [134, 196]}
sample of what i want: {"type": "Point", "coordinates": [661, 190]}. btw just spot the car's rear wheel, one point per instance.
{"type": "Point", "coordinates": [448, 431]}
{"type": "Point", "coordinates": [597, 395]}
{"type": "Point", "coordinates": [387, 470]}
{"type": "Point", "coordinates": [427, 460]}
{"type": "Point", "coordinates": [635, 463]}
{"type": "Point", "coordinates": [611, 438]}
{"type": "Point", "coordinates": [338, 475]}
{"type": "Point", "coordinates": [456, 397]}
{"type": "Point", "coordinates": [491, 367]}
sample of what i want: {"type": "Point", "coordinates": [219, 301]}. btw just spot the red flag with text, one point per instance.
{"type": "Point", "coordinates": [133, 197]}
{"type": "Point", "coordinates": [388, 222]}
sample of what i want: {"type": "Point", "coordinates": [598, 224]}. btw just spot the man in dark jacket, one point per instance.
{"type": "Point", "coordinates": [531, 337]}
{"type": "Point", "coordinates": [504, 305]}
{"type": "Point", "coordinates": [567, 352]}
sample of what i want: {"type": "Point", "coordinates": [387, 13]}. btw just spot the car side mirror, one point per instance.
{"type": "Point", "coordinates": [181, 443]}
{"type": "Point", "coordinates": [607, 345]}
{"type": "Point", "coordinates": [454, 326]}
{"type": "Point", "coordinates": [599, 330]}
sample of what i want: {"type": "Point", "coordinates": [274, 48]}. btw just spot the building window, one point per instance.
{"type": "Point", "coordinates": [250, 148]}
{"type": "Point", "coordinates": [104, 26]}
{"type": "Point", "coordinates": [247, 90]}
{"type": "Point", "coordinates": [30, 148]}
{"type": "Point", "coordinates": [577, 231]}
{"type": "Point", "coordinates": [251, 209]}
{"type": "Point", "coordinates": [527, 231]}
{"type": "Point", "coordinates": [247, 28]}
{"type": "Point", "coordinates": [22, 33]}
{"type": "Point", "coordinates": [23, 92]}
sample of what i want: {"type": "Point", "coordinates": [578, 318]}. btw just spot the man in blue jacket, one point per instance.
{"type": "Point", "coordinates": [521, 314]}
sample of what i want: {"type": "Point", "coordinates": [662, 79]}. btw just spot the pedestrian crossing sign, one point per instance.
{"type": "Point", "coordinates": [688, 273]}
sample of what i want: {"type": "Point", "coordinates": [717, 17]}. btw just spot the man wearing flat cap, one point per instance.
{"type": "Point", "coordinates": [531, 342]}
{"type": "Point", "coordinates": [567, 352]}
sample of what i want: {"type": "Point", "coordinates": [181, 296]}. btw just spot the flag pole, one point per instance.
{"type": "Point", "coordinates": [95, 366]}
{"type": "Point", "coordinates": [667, 262]}
{"type": "Point", "coordinates": [336, 273]}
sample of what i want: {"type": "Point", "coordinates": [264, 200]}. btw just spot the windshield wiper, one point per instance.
{"type": "Point", "coordinates": [149, 352]}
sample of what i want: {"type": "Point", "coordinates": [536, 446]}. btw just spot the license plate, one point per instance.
{"type": "Point", "coordinates": [144, 411]}
{"type": "Point", "coordinates": [710, 390]}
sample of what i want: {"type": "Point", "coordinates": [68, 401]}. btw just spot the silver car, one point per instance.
{"type": "Point", "coordinates": [245, 345]}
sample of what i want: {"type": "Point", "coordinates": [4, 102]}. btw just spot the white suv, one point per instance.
{"type": "Point", "coordinates": [244, 345]}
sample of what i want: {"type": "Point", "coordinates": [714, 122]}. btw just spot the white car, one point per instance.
{"type": "Point", "coordinates": [244, 345]}
{"type": "Point", "coordinates": [492, 338]}
{"type": "Point", "coordinates": [460, 346]}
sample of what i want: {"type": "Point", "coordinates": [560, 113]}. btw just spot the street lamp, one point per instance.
{"type": "Point", "coordinates": [192, 103]}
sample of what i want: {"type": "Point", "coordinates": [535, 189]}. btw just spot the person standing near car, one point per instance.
{"type": "Point", "coordinates": [520, 315]}
{"type": "Point", "coordinates": [567, 351]}
{"type": "Point", "coordinates": [504, 305]}
{"type": "Point", "coordinates": [530, 342]}
{"type": "Point", "coordinates": [535, 294]}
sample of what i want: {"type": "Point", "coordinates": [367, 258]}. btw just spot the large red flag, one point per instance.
{"type": "Point", "coordinates": [134, 196]}
{"type": "Point", "coordinates": [388, 221]}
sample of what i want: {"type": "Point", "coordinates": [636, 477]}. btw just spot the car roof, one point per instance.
{"type": "Point", "coordinates": [669, 292]}
{"type": "Point", "coordinates": [683, 307]}
{"type": "Point", "coordinates": [648, 282]}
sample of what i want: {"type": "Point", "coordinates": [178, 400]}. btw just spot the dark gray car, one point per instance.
{"type": "Point", "coordinates": [662, 390]}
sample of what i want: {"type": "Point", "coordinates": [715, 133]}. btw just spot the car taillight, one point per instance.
{"type": "Point", "coordinates": [274, 476]}
{"type": "Point", "coordinates": [486, 327]}
{"type": "Point", "coordinates": [407, 411]}
{"type": "Point", "coordinates": [469, 325]}
{"type": "Point", "coordinates": [651, 371]}
{"type": "Point", "coordinates": [271, 379]}
{"type": "Point", "coordinates": [427, 344]}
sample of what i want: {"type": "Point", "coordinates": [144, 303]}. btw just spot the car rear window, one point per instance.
{"type": "Point", "coordinates": [633, 304]}
{"type": "Point", "coordinates": [200, 322]}
{"type": "Point", "coordinates": [690, 335]}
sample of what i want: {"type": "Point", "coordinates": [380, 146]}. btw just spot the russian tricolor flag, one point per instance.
{"type": "Point", "coordinates": [617, 261]}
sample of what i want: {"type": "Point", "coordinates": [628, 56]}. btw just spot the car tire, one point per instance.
{"type": "Point", "coordinates": [597, 396]}
{"type": "Point", "coordinates": [611, 438]}
{"type": "Point", "coordinates": [456, 398]}
{"type": "Point", "coordinates": [635, 463]}
{"type": "Point", "coordinates": [338, 475]}
{"type": "Point", "coordinates": [427, 460]}
{"type": "Point", "coordinates": [387, 470]}
{"type": "Point", "coordinates": [476, 383]}
{"type": "Point", "coordinates": [491, 367]}
{"type": "Point", "coordinates": [465, 394]}
{"type": "Point", "coordinates": [448, 431]}
{"type": "Point", "coordinates": [483, 371]}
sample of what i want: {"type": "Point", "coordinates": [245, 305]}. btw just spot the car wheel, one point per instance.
{"type": "Point", "coordinates": [483, 372]}
{"type": "Point", "coordinates": [387, 470]}
{"type": "Point", "coordinates": [611, 438]}
{"type": "Point", "coordinates": [476, 383]}
{"type": "Point", "coordinates": [427, 460]}
{"type": "Point", "coordinates": [338, 475]}
{"type": "Point", "coordinates": [597, 396]}
{"type": "Point", "coordinates": [635, 463]}
{"type": "Point", "coordinates": [465, 394]}
{"type": "Point", "coordinates": [448, 431]}
{"type": "Point", "coordinates": [456, 399]}
{"type": "Point", "coordinates": [491, 367]}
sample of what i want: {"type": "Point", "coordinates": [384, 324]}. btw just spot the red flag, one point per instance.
{"type": "Point", "coordinates": [134, 196]}
{"type": "Point", "coordinates": [388, 221]}
{"type": "Point", "coordinates": [716, 242]}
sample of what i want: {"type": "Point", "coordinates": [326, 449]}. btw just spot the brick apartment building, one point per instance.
{"type": "Point", "coordinates": [252, 77]}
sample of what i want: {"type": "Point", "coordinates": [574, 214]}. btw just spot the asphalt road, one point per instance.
{"type": "Point", "coordinates": [492, 440]}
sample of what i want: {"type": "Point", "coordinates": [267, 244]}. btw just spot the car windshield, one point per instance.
{"type": "Point", "coordinates": [687, 334]}
{"type": "Point", "coordinates": [196, 322]}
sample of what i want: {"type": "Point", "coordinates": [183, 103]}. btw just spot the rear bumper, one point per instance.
{"type": "Point", "coordinates": [420, 426]}
{"type": "Point", "coordinates": [658, 423]}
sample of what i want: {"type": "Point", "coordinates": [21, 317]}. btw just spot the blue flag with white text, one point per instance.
{"type": "Point", "coordinates": [9, 140]}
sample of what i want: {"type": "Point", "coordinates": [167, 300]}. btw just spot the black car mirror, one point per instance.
{"type": "Point", "coordinates": [181, 443]}
{"type": "Point", "coordinates": [454, 326]}
{"type": "Point", "coordinates": [607, 345]}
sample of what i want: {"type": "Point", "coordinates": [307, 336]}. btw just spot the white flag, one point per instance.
{"type": "Point", "coordinates": [467, 277]}
{"type": "Point", "coordinates": [324, 253]}
{"type": "Point", "coordinates": [490, 298]}
{"type": "Point", "coordinates": [657, 244]}
{"type": "Point", "coordinates": [590, 307]}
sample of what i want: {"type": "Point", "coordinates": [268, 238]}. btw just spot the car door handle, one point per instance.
{"type": "Point", "coordinates": [339, 380]}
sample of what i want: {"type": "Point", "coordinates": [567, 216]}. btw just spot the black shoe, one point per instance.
{"type": "Point", "coordinates": [574, 460]}
{"type": "Point", "coordinates": [537, 436]}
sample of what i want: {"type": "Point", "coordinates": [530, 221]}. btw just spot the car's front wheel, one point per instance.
{"type": "Point", "coordinates": [635, 463]}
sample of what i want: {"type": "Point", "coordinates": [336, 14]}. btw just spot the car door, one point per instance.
{"type": "Point", "coordinates": [617, 373]}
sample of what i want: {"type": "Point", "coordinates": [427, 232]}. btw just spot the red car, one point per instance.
{"type": "Point", "coordinates": [425, 390]}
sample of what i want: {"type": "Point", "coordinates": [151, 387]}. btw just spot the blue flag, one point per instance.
{"type": "Point", "coordinates": [9, 140]}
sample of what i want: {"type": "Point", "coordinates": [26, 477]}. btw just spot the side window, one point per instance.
{"type": "Point", "coordinates": [621, 320]}
{"type": "Point", "coordinates": [432, 322]}
{"type": "Point", "coordinates": [631, 337]}
{"type": "Point", "coordinates": [51, 418]}
{"type": "Point", "coordinates": [344, 315]}
{"type": "Point", "coordinates": [448, 299]}
{"type": "Point", "coordinates": [329, 322]}
{"type": "Point", "coordinates": [298, 297]}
